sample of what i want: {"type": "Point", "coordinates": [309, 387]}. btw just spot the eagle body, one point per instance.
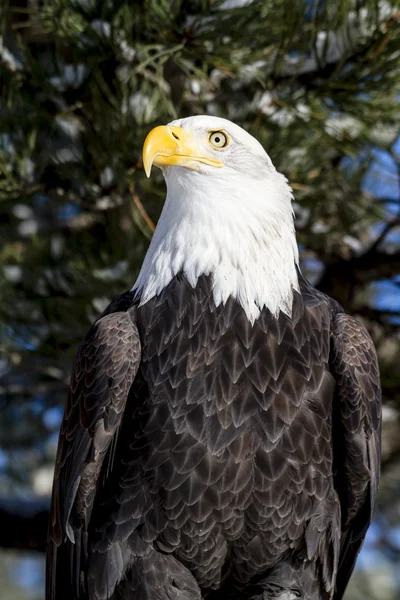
{"type": "Point", "coordinates": [215, 445]}
{"type": "Point", "coordinates": [230, 402]}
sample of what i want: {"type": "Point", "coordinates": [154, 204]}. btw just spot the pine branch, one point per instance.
{"type": "Point", "coordinates": [387, 229]}
{"type": "Point", "coordinates": [341, 278]}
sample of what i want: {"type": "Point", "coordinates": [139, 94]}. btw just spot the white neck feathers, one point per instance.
{"type": "Point", "coordinates": [239, 232]}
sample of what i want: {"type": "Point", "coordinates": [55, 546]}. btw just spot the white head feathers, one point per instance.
{"type": "Point", "coordinates": [234, 223]}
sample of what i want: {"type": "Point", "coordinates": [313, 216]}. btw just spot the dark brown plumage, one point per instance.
{"type": "Point", "coordinates": [202, 456]}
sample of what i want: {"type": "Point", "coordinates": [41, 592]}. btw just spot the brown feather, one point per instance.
{"type": "Point", "coordinates": [201, 452]}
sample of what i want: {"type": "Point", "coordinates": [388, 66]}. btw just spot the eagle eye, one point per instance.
{"type": "Point", "coordinates": [218, 139]}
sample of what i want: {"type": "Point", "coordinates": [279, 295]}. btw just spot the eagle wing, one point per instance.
{"type": "Point", "coordinates": [357, 436]}
{"type": "Point", "coordinates": [103, 373]}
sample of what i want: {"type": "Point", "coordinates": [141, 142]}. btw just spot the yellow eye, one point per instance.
{"type": "Point", "coordinates": [218, 139]}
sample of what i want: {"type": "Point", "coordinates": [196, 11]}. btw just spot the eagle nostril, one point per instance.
{"type": "Point", "coordinates": [175, 135]}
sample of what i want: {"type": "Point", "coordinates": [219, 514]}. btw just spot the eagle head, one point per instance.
{"type": "Point", "coordinates": [227, 214]}
{"type": "Point", "coordinates": [205, 144]}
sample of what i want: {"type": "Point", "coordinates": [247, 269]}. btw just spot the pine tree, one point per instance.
{"type": "Point", "coordinates": [82, 83]}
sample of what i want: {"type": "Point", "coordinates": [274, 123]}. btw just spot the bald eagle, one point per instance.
{"type": "Point", "coordinates": [221, 437]}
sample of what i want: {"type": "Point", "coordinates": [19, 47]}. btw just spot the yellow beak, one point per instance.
{"type": "Point", "coordinates": [169, 146]}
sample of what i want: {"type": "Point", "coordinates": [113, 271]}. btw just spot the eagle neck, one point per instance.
{"type": "Point", "coordinates": [244, 239]}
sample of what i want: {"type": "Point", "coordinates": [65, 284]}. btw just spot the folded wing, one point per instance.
{"type": "Point", "coordinates": [104, 371]}
{"type": "Point", "coordinates": [357, 436]}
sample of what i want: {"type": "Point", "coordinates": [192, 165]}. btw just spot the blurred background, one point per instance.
{"type": "Point", "coordinates": [81, 84]}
